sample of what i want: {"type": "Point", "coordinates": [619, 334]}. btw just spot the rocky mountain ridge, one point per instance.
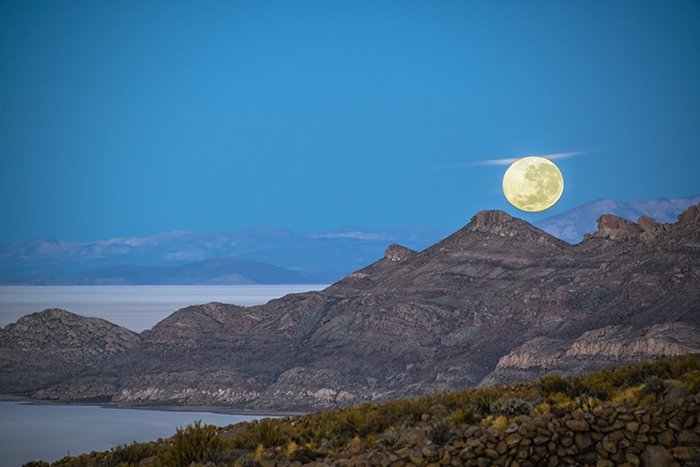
{"type": "Point", "coordinates": [497, 301]}
{"type": "Point", "coordinates": [319, 257]}
{"type": "Point", "coordinates": [573, 224]}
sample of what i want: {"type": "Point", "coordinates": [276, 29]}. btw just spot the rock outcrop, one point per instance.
{"type": "Point", "coordinates": [596, 348]}
{"type": "Point", "coordinates": [617, 228]}
{"type": "Point", "coordinates": [497, 301]}
{"type": "Point", "coordinates": [48, 346]}
{"type": "Point", "coordinates": [398, 253]}
{"type": "Point", "coordinates": [690, 216]}
{"type": "Point", "coordinates": [647, 223]}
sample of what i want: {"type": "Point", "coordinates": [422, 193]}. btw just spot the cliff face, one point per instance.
{"type": "Point", "coordinates": [595, 348]}
{"type": "Point", "coordinates": [498, 300]}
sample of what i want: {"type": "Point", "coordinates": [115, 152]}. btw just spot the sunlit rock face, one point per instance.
{"type": "Point", "coordinates": [497, 301]}
{"type": "Point", "coordinates": [647, 223]}
{"type": "Point", "coordinates": [614, 227]}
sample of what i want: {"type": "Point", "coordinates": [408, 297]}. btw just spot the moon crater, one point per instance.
{"type": "Point", "coordinates": [533, 184]}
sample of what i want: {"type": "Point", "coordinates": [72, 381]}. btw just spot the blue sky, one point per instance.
{"type": "Point", "coordinates": [132, 118]}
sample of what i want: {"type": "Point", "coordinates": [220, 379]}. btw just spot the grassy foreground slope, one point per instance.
{"type": "Point", "coordinates": [640, 414]}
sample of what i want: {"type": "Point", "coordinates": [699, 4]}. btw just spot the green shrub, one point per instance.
{"type": "Point", "coordinates": [459, 416]}
{"type": "Point", "coordinates": [663, 367]}
{"type": "Point", "coordinates": [552, 384]}
{"type": "Point", "coordinates": [438, 432]}
{"type": "Point", "coordinates": [269, 433]}
{"type": "Point", "coordinates": [346, 424]}
{"type": "Point", "coordinates": [130, 453]}
{"type": "Point", "coordinates": [196, 443]}
{"type": "Point", "coordinates": [390, 438]}
{"type": "Point", "coordinates": [514, 407]}
{"type": "Point", "coordinates": [483, 400]}
{"type": "Point", "coordinates": [692, 381]}
{"type": "Point", "coordinates": [246, 460]}
{"type": "Point", "coordinates": [654, 386]}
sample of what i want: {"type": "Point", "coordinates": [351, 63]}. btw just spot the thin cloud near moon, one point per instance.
{"type": "Point", "coordinates": [555, 156]}
{"type": "Point", "coordinates": [508, 161]}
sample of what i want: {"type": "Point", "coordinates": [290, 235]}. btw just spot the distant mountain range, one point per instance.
{"type": "Point", "coordinates": [210, 271]}
{"type": "Point", "coordinates": [499, 300]}
{"type": "Point", "coordinates": [260, 254]}
{"type": "Point", "coordinates": [263, 255]}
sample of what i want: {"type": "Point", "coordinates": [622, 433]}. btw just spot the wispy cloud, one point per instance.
{"type": "Point", "coordinates": [355, 235]}
{"type": "Point", "coordinates": [510, 160]}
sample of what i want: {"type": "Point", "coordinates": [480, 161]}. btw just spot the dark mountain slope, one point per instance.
{"type": "Point", "coordinates": [498, 300]}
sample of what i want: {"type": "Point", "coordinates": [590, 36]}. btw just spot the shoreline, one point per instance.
{"type": "Point", "coordinates": [18, 301]}
{"type": "Point", "coordinates": [221, 410]}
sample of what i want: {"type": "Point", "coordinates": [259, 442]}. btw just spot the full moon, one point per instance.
{"type": "Point", "coordinates": [533, 184]}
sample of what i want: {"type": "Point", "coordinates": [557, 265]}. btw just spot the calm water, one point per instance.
{"type": "Point", "coordinates": [134, 307]}
{"type": "Point", "coordinates": [48, 432]}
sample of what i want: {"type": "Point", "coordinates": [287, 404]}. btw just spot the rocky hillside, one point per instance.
{"type": "Point", "coordinates": [497, 301]}
{"type": "Point", "coordinates": [47, 347]}
{"type": "Point", "coordinates": [642, 414]}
